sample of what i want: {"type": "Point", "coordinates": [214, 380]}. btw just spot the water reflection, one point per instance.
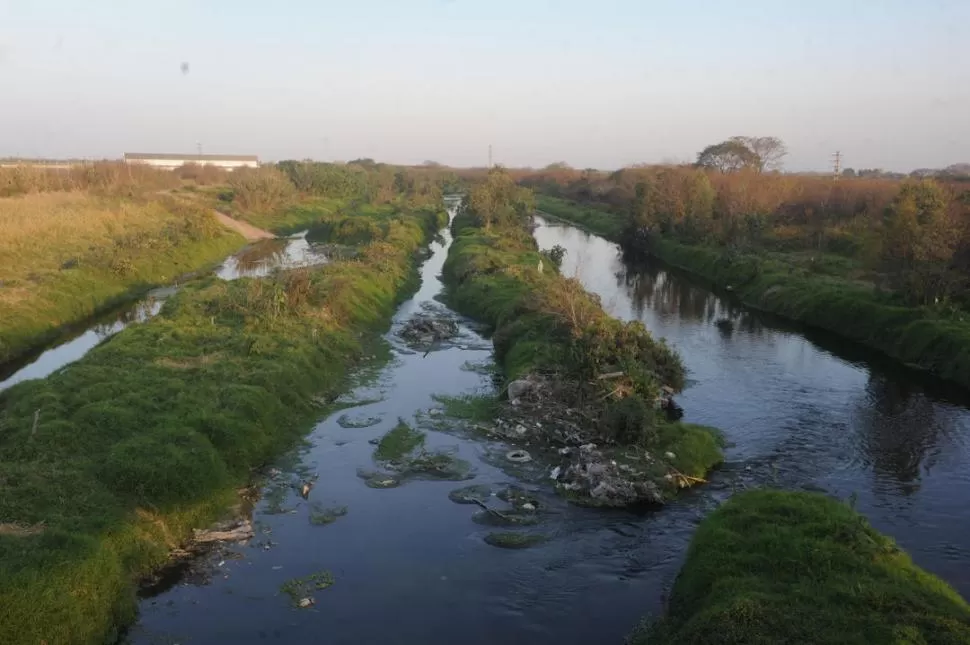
{"type": "Point", "coordinates": [803, 408]}
{"type": "Point", "coordinates": [266, 256]}
{"type": "Point", "coordinates": [257, 259]}
{"type": "Point", "coordinates": [73, 347]}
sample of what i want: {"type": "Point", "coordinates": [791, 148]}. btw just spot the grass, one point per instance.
{"type": "Point", "coordinates": [598, 221]}
{"type": "Point", "coordinates": [292, 218]}
{"type": "Point", "coordinates": [821, 290]}
{"type": "Point", "coordinates": [66, 256]}
{"type": "Point", "coordinates": [545, 323]}
{"type": "Point", "coordinates": [790, 567]}
{"type": "Point", "coordinates": [398, 442]}
{"type": "Point", "coordinates": [923, 337]}
{"type": "Point", "coordinates": [470, 407]}
{"type": "Point", "coordinates": [150, 433]}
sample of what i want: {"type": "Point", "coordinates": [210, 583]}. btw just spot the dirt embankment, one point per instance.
{"type": "Point", "coordinates": [248, 231]}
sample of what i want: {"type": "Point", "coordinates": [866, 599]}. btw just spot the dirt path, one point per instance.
{"type": "Point", "coordinates": [248, 231]}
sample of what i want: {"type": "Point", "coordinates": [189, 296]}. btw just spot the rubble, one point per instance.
{"type": "Point", "coordinates": [233, 531]}
{"type": "Point", "coordinates": [591, 469]}
{"type": "Point", "coordinates": [426, 329]}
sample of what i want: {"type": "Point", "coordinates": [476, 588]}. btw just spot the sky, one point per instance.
{"type": "Point", "coordinates": [595, 84]}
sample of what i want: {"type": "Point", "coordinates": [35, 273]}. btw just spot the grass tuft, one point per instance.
{"type": "Point", "coordinates": [789, 567]}
{"type": "Point", "coordinates": [399, 442]}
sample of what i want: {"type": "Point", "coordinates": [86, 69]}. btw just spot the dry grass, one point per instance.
{"type": "Point", "coordinates": [42, 231]}
{"type": "Point", "coordinates": [66, 255]}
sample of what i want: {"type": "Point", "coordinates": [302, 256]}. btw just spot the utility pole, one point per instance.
{"type": "Point", "coordinates": [198, 145]}
{"type": "Point", "coordinates": [837, 163]}
{"type": "Point", "coordinates": [489, 156]}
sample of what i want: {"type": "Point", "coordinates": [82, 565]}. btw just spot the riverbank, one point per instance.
{"type": "Point", "coordinates": [923, 337]}
{"type": "Point", "coordinates": [786, 567]}
{"type": "Point", "coordinates": [558, 347]}
{"type": "Point", "coordinates": [109, 463]}
{"type": "Point", "coordinates": [68, 256]}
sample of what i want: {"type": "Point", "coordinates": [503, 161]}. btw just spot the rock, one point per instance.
{"type": "Point", "coordinates": [528, 506]}
{"type": "Point", "coordinates": [469, 494]}
{"type": "Point", "coordinates": [241, 531]}
{"type": "Point", "coordinates": [554, 475]}
{"type": "Point", "coordinates": [303, 603]}
{"type": "Point", "coordinates": [518, 456]}
{"type": "Point", "coordinates": [520, 430]}
{"type": "Point", "coordinates": [670, 455]}
{"type": "Point", "coordinates": [518, 389]}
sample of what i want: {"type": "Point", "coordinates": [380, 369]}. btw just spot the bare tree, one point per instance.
{"type": "Point", "coordinates": [770, 151]}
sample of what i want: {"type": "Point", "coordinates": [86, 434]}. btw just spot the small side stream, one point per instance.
{"type": "Point", "coordinates": [258, 259]}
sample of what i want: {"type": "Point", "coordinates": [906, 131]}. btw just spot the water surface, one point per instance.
{"type": "Point", "coordinates": [412, 567]}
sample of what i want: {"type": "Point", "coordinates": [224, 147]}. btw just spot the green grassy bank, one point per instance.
{"type": "Point", "coordinates": [547, 324]}
{"type": "Point", "coordinates": [781, 567]}
{"type": "Point", "coordinates": [80, 255]}
{"type": "Point", "coordinates": [933, 339]}
{"type": "Point", "coordinates": [108, 464]}
{"type": "Point", "coordinates": [299, 216]}
{"type": "Point", "coordinates": [603, 223]}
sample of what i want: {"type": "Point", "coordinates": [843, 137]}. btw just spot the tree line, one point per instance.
{"type": "Point", "coordinates": [911, 236]}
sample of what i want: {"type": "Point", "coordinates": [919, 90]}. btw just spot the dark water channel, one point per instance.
{"type": "Point", "coordinates": [803, 408]}
{"type": "Point", "coordinates": [258, 259]}
{"type": "Point", "coordinates": [410, 566]}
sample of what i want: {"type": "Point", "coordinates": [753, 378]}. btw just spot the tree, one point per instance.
{"type": "Point", "coordinates": [769, 150]}
{"type": "Point", "coordinates": [919, 239]}
{"type": "Point", "coordinates": [499, 201]}
{"type": "Point", "coordinates": [848, 172]}
{"type": "Point", "coordinates": [728, 156]}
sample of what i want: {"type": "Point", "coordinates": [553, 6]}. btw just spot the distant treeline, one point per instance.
{"type": "Point", "coordinates": [910, 236]}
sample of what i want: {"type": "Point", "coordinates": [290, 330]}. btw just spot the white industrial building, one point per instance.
{"type": "Point", "coordinates": [172, 161]}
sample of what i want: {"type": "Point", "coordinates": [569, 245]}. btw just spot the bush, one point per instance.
{"type": "Point", "coordinates": [630, 421]}
{"type": "Point", "coordinates": [261, 189]}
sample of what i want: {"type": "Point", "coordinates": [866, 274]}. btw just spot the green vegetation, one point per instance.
{"type": "Point", "coordinates": [593, 219]}
{"type": "Point", "coordinates": [67, 256]}
{"type": "Point", "coordinates": [300, 588]}
{"type": "Point", "coordinates": [399, 442]}
{"type": "Point", "coordinates": [109, 463]}
{"type": "Point", "coordinates": [547, 324]}
{"type": "Point", "coordinates": [470, 407]}
{"type": "Point", "coordinates": [512, 540]}
{"type": "Point", "coordinates": [829, 291]}
{"type": "Point", "coordinates": [320, 516]}
{"type": "Point", "coordinates": [783, 567]}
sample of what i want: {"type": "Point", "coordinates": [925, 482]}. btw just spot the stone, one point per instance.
{"type": "Point", "coordinates": [518, 389]}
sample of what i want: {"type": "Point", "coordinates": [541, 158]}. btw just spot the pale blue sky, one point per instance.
{"type": "Point", "coordinates": [602, 84]}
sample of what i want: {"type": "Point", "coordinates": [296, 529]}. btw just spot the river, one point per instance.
{"type": "Point", "coordinates": [410, 566]}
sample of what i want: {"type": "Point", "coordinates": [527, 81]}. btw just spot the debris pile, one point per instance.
{"type": "Point", "coordinates": [592, 469]}
{"type": "Point", "coordinates": [426, 329]}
